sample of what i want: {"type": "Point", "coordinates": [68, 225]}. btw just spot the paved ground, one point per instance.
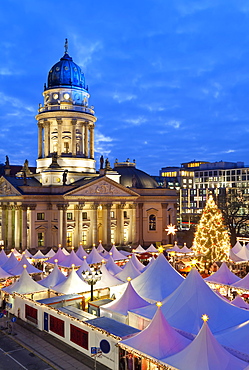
{"type": "Point", "coordinates": [32, 349]}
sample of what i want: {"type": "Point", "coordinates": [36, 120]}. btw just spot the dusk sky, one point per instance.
{"type": "Point", "coordinates": [169, 79]}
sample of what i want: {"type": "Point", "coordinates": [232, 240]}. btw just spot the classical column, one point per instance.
{"type": "Point", "coordinates": [4, 209]}
{"type": "Point", "coordinates": [78, 224]}
{"type": "Point", "coordinates": [60, 222]}
{"type": "Point", "coordinates": [40, 126]}
{"type": "Point", "coordinates": [106, 221]}
{"type": "Point", "coordinates": [82, 138]}
{"type": "Point", "coordinates": [74, 121]}
{"type": "Point", "coordinates": [134, 223]}
{"type": "Point", "coordinates": [86, 140]}
{"type": "Point", "coordinates": [10, 227]}
{"type": "Point", "coordinates": [120, 224]}
{"type": "Point", "coordinates": [94, 223]}
{"type": "Point", "coordinates": [140, 225]}
{"type": "Point", "coordinates": [17, 226]}
{"type": "Point", "coordinates": [59, 143]}
{"type": "Point", "coordinates": [24, 226]}
{"type": "Point", "coordinates": [92, 142]}
{"type": "Point", "coordinates": [47, 139]}
{"type": "Point", "coordinates": [32, 243]}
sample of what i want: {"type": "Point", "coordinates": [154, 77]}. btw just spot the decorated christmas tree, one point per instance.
{"type": "Point", "coordinates": [211, 241]}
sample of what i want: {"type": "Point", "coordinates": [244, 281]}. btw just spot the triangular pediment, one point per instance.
{"type": "Point", "coordinates": [7, 189]}
{"type": "Point", "coordinates": [102, 187]}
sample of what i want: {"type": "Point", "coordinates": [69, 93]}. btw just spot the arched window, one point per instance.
{"type": "Point", "coordinates": [152, 222]}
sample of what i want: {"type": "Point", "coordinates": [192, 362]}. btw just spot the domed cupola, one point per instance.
{"type": "Point", "coordinates": [66, 73]}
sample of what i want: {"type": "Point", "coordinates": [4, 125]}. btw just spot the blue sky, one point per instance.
{"type": "Point", "coordinates": [169, 79]}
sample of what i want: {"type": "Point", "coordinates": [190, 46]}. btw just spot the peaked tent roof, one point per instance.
{"type": "Point", "coordinates": [24, 285]}
{"type": "Point", "coordinates": [175, 249]}
{"type": "Point", "coordinates": [3, 257]}
{"type": "Point", "coordinates": [15, 252]}
{"type": "Point", "coordinates": [235, 337]}
{"type": "Point", "coordinates": [129, 300]}
{"type": "Point", "coordinates": [223, 276]}
{"type": "Point", "coordinates": [54, 278]}
{"type": "Point", "coordinates": [71, 259]}
{"type": "Point", "coordinates": [39, 255]}
{"type": "Point", "coordinates": [243, 253]}
{"type": "Point", "coordinates": [158, 281]}
{"type": "Point", "coordinates": [4, 274]}
{"type": "Point", "coordinates": [81, 252]}
{"type": "Point", "coordinates": [184, 307]}
{"type": "Point", "coordinates": [233, 256]}
{"type": "Point", "coordinates": [139, 249]}
{"type": "Point", "coordinates": [27, 254]}
{"type": "Point", "coordinates": [65, 251]}
{"type": "Point", "coordinates": [59, 255]}
{"type": "Point", "coordinates": [152, 249]}
{"type": "Point", "coordinates": [112, 267]}
{"type": "Point", "coordinates": [242, 283]}
{"type": "Point", "coordinates": [94, 257]}
{"type": "Point", "coordinates": [205, 353]}
{"type": "Point", "coordinates": [73, 284]}
{"type": "Point", "coordinates": [237, 247]}
{"type": "Point", "coordinates": [139, 265]}
{"type": "Point", "coordinates": [115, 254]}
{"type": "Point", "coordinates": [18, 269]}
{"type": "Point", "coordinates": [50, 253]}
{"type": "Point", "coordinates": [129, 270]}
{"type": "Point", "coordinates": [239, 302]}
{"type": "Point", "coordinates": [11, 263]}
{"type": "Point", "coordinates": [83, 267]}
{"type": "Point", "coordinates": [107, 279]}
{"type": "Point", "coordinates": [186, 250]}
{"type": "Point", "coordinates": [149, 264]}
{"type": "Point", "coordinates": [158, 339]}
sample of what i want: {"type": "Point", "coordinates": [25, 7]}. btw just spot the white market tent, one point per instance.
{"type": "Point", "coordinates": [72, 284]}
{"type": "Point", "coordinates": [237, 247]}
{"type": "Point", "coordinates": [243, 254]}
{"type": "Point", "coordinates": [83, 267]}
{"type": "Point", "coordinates": [81, 253]}
{"type": "Point", "coordinates": [24, 285]}
{"type": "Point", "coordinates": [158, 281]}
{"type": "Point", "coordinates": [27, 254]}
{"type": "Point", "coordinates": [15, 252]}
{"type": "Point", "coordinates": [50, 253]}
{"type": "Point", "coordinates": [233, 256]}
{"type": "Point", "coordinates": [239, 302]}
{"type": "Point", "coordinates": [185, 250]}
{"type": "Point", "coordinates": [118, 309]}
{"type": "Point", "coordinates": [129, 270]}
{"type": "Point", "coordinates": [243, 283]}
{"type": "Point", "coordinates": [18, 269]}
{"type": "Point", "coordinates": [115, 254]}
{"type": "Point", "coordinates": [59, 256]}
{"type": "Point", "coordinates": [139, 265]}
{"type": "Point", "coordinates": [184, 307]}
{"type": "Point", "coordinates": [205, 353]}
{"type": "Point", "coordinates": [223, 276]}
{"type": "Point", "coordinates": [65, 251]}
{"type": "Point", "coordinates": [174, 249]}
{"type": "Point", "coordinates": [71, 259]}
{"type": "Point", "coordinates": [94, 257]}
{"type": "Point", "coordinates": [125, 253]}
{"type": "Point", "coordinates": [152, 249]}
{"type": "Point", "coordinates": [4, 274]}
{"type": "Point", "coordinates": [236, 337]}
{"type": "Point", "coordinates": [39, 256]}
{"type": "Point", "coordinates": [11, 263]}
{"type": "Point", "coordinates": [158, 340]}
{"type": "Point", "coordinates": [3, 257]}
{"type": "Point", "coordinates": [112, 267]}
{"type": "Point", "coordinates": [54, 278]}
{"type": "Point", "coordinates": [107, 280]}
{"type": "Point", "coordinates": [139, 249]}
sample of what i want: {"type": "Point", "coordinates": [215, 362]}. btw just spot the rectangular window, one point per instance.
{"type": "Point", "coordinates": [84, 215]}
{"type": "Point", "coordinates": [125, 214]}
{"type": "Point", "coordinates": [31, 313]}
{"type": "Point", "coordinates": [40, 237]}
{"type": "Point", "coordinates": [69, 216]}
{"type": "Point", "coordinates": [56, 325]}
{"type": "Point", "coordinates": [112, 214]}
{"type": "Point", "coordinates": [79, 336]}
{"type": "Point", "coordinates": [40, 216]}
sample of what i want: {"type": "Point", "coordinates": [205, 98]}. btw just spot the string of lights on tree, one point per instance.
{"type": "Point", "coordinates": [211, 242]}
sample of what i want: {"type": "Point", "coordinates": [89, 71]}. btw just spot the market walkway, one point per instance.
{"type": "Point", "coordinates": [55, 353]}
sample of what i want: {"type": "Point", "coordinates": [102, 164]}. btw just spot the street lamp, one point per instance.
{"type": "Point", "coordinates": [91, 277]}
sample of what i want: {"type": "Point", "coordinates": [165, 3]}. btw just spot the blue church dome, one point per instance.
{"type": "Point", "coordinates": [66, 73]}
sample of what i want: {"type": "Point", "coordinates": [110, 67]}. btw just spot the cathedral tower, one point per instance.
{"type": "Point", "coordinates": [65, 125]}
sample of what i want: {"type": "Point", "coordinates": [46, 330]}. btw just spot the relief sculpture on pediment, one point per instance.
{"type": "Point", "coordinates": [5, 188]}
{"type": "Point", "coordinates": [102, 189]}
